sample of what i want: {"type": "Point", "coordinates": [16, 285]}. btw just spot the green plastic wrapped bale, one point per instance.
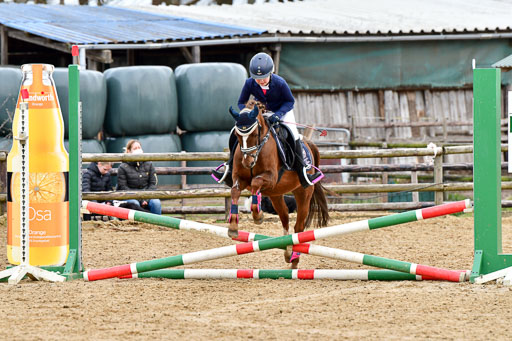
{"type": "Point", "coordinates": [10, 82]}
{"type": "Point", "coordinates": [5, 144]}
{"type": "Point", "coordinates": [92, 146]}
{"type": "Point", "coordinates": [205, 93]}
{"type": "Point", "coordinates": [211, 141]}
{"type": "Point", "coordinates": [166, 143]}
{"type": "Point", "coordinates": [142, 100]}
{"type": "Point", "coordinates": [93, 95]}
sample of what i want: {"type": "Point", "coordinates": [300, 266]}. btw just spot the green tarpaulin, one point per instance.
{"type": "Point", "coordinates": [382, 65]}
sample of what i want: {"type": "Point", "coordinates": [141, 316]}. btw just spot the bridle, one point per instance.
{"type": "Point", "coordinates": [248, 151]}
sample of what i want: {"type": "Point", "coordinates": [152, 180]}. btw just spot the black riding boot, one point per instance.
{"type": "Point", "coordinates": [226, 175]}
{"type": "Point", "coordinates": [299, 166]}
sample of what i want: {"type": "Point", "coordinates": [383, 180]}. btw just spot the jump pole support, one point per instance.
{"type": "Point", "coordinates": [74, 267]}
{"type": "Point", "coordinates": [293, 239]}
{"type": "Point", "coordinates": [488, 252]}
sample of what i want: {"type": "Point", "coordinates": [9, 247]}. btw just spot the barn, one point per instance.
{"type": "Point", "coordinates": [376, 73]}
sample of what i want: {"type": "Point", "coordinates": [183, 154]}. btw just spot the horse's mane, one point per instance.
{"type": "Point", "coordinates": [252, 102]}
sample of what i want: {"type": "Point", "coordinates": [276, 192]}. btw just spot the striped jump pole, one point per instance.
{"type": "Point", "coordinates": [292, 239]}
{"type": "Point", "coordinates": [316, 250]}
{"type": "Point", "coordinates": [428, 272]}
{"type": "Point", "coordinates": [161, 220]}
{"type": "Point", "coordinates": [244, 236]}
{"type": "Point", "coordinates": [363, 275]}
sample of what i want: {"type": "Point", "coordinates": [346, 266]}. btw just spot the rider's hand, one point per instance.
{"type": "Point", "coordinates": [274, 118]}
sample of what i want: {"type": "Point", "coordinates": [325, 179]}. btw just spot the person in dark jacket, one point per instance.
{"type": "Point", "coordinates": [96, 178]}
{"type": "Point", "coordinates": [138, 176]}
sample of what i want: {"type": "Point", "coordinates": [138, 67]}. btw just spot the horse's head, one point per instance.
{"type": "Point", "coordinates": [250, 129]}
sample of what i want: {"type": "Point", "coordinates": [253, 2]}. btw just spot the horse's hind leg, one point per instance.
{"type": "Point", "coordinates": [282, 210]}
{"type": "Point", "coordinates": [302, 197]}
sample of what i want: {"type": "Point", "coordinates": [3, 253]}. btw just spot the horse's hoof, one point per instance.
{"type": "Point", "coordinates": [232, 233]}
{"type": "Point", "coordinates": [288, 254]}
{"type": "Point", "coordinates": [258, 221]}
{"type": "Point", "coordinates": [295, 265]}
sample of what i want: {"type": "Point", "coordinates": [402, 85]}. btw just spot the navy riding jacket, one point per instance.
{"type": "Point", "coordinates": [279, 98]}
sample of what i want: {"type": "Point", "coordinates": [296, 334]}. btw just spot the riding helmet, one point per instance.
{"type": "Point", "coordinates": [261, 66]}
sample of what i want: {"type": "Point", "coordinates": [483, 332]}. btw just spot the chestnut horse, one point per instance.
{"type": "Point", "coordinates": [258, 168]}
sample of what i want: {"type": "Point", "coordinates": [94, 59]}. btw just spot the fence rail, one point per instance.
{"type": "Point", "coordinates": [438, 186]}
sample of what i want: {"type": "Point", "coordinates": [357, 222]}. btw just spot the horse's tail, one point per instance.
{"type": "Point", "coordinates": [318, 204]}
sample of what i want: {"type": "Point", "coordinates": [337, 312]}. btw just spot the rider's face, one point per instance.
{"type": "Point", "coordinates": [263, 81]}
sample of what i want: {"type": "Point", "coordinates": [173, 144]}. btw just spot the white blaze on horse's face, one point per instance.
{"type": "Point", "coordinates": [245, 126]}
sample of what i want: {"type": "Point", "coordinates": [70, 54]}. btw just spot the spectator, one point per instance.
{"type": "Point", "coordinates": [96, 178]}
{"type": "Point", "coordinates": [138, 176]}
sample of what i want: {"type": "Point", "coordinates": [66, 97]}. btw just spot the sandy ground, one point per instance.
{"type": "Point", "coordinates": [267, 309]}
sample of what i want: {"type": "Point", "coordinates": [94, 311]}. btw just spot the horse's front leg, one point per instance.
{"type": "Point", "coordinates": [261, 181]}
{"type": "Point", "coordinates": [233, 214]}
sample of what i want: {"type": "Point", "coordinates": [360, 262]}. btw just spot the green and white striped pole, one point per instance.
{"type": "Point", "coordinates": [363, 275]}
{"type": "Point", "coordinates": [161, 220]}
{"type": "Point", "coordinates": [316, 250]}
{"type": "Point", "coordinates": [293, 239]}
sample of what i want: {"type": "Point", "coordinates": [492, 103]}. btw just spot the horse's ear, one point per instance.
{"type": "Point", "coordinates": [254, 113]}
{"type": "Point", "coordinates": [234, 113]}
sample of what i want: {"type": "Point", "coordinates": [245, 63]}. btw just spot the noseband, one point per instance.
{"type": "Point", "coordinates": [245, 133]}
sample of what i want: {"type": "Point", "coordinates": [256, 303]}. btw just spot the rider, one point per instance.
{"type": "Point", "coordinates": [273, 91]}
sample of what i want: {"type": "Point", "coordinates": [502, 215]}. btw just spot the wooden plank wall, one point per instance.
{"type": "Point", "coordinates": [392, 117]}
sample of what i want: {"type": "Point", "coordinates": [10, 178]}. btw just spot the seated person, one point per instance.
{"type": "Point", "coordinates": [138, 176]}
{"type": "Point", "coordinates": [96, 178]}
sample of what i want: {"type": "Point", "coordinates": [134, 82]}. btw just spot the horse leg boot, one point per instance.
{"type": "Point", "coordinates": [257, 212]}
{"type": "Point", "coordinates": [233, 214]}
{"type": "Point", "coordinates": [300, 165]}
{"type": "Point", "coordinates": [225, 176]}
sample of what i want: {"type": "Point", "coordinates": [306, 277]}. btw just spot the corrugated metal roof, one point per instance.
{"type": "Point", "coordinates": [505, 63]}
{"type": "Point", "coordinates": [103, 25]}
{"type": "Point", "coordinates": [362, 17]}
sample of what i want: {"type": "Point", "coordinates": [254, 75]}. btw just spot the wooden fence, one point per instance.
{"type": "Point", "coordinates": [436, 167]}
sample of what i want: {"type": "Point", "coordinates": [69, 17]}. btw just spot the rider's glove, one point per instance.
{"type": "Point", "coordinates": [274, 119]}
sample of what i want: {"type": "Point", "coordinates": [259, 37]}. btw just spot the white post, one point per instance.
{"type": "Point", "coordinates": [24, 185]}
{"type": "Point", "coordinates": [509, 105]}
{"type": "Point", "coordinates": [82, 58]}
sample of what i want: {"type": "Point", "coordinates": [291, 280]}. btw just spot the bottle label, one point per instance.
{"type": "Point", "coordinates": [48, 224]}
{"type": "Point", "coordinates": [48, 209]}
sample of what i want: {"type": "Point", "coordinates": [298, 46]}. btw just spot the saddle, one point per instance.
{"type": "Point", "coordinates": [286, 147]}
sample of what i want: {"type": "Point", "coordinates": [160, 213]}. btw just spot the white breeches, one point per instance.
{"type": "Point", "coordinates": [289, 120]}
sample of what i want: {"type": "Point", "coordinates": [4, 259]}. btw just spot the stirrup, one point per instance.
{"type": "Point", "coordinates": [313, 178]}
{"type": "Point", "coordinates": [217, 175]}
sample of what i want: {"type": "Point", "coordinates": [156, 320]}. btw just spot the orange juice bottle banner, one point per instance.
{"type": "Point", "coordinates": [48, 178]}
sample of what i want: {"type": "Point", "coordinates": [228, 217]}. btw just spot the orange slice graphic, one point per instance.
{"type": "Point", "coordinates": [43, 187]}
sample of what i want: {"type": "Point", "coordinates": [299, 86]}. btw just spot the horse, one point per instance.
{"type": "Point", "coordinates": [258, 168]}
